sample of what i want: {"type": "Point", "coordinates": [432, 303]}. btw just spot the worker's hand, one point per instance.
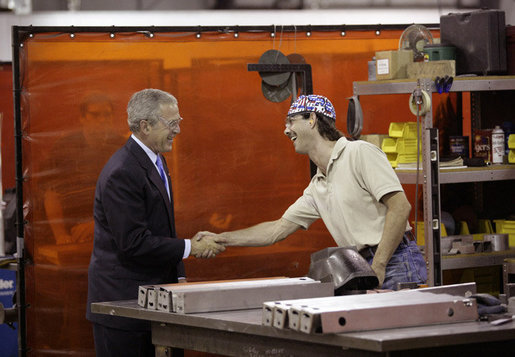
{"type": "Point", "coordinates": [205, 245]}
{"type": "Point", "coordinates": [201, 234]}
{"type": "Point", "coordinates": [223, 237]}
{"type": "Point", "coordinates": [380, 272]}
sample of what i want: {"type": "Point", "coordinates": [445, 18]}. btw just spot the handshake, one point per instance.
{"type": "Point", "coordinates": [207, 244]}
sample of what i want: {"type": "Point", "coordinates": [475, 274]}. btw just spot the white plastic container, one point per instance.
{"type": "Point", "coordinates": [497, 145]}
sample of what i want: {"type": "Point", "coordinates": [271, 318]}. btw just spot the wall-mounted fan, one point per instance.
{"type": "Point", "coordinates": [415, 37]}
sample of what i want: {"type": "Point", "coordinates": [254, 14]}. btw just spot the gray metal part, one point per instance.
{"type": "Point", "coordinates": [399, 309]}
{"type": "Point", "coordinates": [267, 318]}
{"type": "Point", "coordinates": [230, 284]}
{"type": "Point", "coordinates": [345, 267]}
{"type": "Point", "coordinates": [430, 312]}
{"type": "Point", "coordinates": [354, 117]}
{"type": "Point", "coordinates": [165, 292]}
{"type": "Point", "coordinates": [465, 289]}
{"type": "Point", "coordinates": [152, 299]}
{"type": "Point", "coordinates": [296, 310]}
{"type": "Point", "coordinates": [244, 298]}
{"type": "Point", "coordinates": [186, 298]}
{"type": "Point", "coordinates": [274, 78]}
{"type": "Point", "coordinates": [276, 94]}
{"type": "Point", "coordinates": [304, 314]}
{"type": "Point", "coordinates": [285, 313]}
{"type": "Point", "coordinates": [280, 316]}
{"type": "Point", "coordinates": [142, 296]}
{"type": "Point", "coordinates": [294, 318]}
{"type": "Point", "coordinates": [164, 300]}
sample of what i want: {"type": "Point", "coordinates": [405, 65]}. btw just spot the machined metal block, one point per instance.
{"type": "Point", "coordinates": [245, 297]}
{"type": "Point", "coordinates": [464, 289]}
{"type": "Point", "coordinates": [233, 294]}
{"type": "Point", "coordinates": [152, 299]}
{"type": "Point", "coordinates": [164, 300]}
{"type": "Point", "coordinates": [294, 314]}
{"type": "Point", "coordinates": [143, 295]}
{"type": "Point", "coordinates": [267, 316]}
{"type": "Point", "coordinates": [287, 312]}
{"type": "Point", "coordinates": [294, 307]}
{"type": "Point", "coordinates": [280, 316]}
{"type": "Point", "coordinates": [388, 310]}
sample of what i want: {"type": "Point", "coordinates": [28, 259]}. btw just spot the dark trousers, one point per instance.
{"type": "Point", "coordinates": [111, 342]}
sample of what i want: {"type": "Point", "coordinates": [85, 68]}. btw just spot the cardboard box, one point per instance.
{"type": "Point", "coordinates": [376, 139]}
{"type": "Point", "coordinates": [432, 69]}
{"type": "Point", "coordinates": [393, 64]}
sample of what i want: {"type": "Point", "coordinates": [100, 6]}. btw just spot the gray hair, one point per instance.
{"type": "Point", "coordinates": [146, 105]}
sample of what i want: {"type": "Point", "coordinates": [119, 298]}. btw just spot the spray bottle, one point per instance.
{"type": "Point", "coordinates": [497, 145]}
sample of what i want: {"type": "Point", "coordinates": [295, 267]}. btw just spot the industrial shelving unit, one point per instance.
{"type": "Point", "coordinates": [430, 175]}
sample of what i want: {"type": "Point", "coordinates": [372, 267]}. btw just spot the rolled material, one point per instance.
{"type": "Point", "coordinates": [425, 106]}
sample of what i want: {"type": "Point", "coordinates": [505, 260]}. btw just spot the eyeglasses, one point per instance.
{"type": "Point", "coordinates": [173, 124]}
{"type": "Point", "coordinates": [289, 121]}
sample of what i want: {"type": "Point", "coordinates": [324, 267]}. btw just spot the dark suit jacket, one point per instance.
{"type": "Point", "coordinates": [135, 242]}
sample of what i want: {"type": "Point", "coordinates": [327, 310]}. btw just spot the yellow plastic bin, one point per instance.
{"type": "Point", "coordinates": [506, 226]}
{"type": "Point", "coordinates": [485, 226]}
{"type": "Point", "coordinates": [396, 159]}
{"type": "Point", "coordinates": [407, 130]}
{"type": "Point", "coordinates": [421, 234]}
{"type": "Point", "coordinates": [511, 141]}
{"type": "Point", "coordinates": [400, 145]}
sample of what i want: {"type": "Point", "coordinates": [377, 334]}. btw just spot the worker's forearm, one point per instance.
{"type": "Point", "coordinates": [263, 234]}
{"type": "Point", "coordinates": [394, 228]}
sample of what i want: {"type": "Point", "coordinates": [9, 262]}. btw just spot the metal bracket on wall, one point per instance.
{"type": "Point", "coordinates": [303, 69]}
{"type": "Point", "coordinates": [307, 82]}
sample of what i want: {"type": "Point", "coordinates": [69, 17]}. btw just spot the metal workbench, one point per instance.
{"type": "Point", "coordinates": [240, 333]}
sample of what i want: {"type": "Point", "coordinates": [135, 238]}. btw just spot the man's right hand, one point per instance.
{"type": "Point", "coordinates": [206, 245]}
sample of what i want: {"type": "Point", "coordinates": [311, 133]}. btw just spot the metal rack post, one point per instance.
{"type": "Point", "coordinates": [20, 244]}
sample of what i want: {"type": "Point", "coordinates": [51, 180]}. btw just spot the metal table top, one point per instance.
{"type": "Point", "coordinates": [249, 322]}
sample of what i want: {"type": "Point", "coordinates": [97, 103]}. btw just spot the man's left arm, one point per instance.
{"type": "Point", "coordinates": [397, 214]}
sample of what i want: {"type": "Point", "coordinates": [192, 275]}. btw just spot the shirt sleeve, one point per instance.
{"type": "Point", "coordinates": [187, 248]}
{"type": "Point", "coordinates": [304, 211]}
{"type": "Point", "coordinates": [376, 174]}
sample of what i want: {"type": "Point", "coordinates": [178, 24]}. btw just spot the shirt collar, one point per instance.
{"type": "Point", "coordinates": [335, 154]}
{"type": "Point", "coordinates": [151, 155]}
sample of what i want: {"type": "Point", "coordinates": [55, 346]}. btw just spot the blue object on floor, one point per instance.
{"type": "Point", "coordinates": [8, 335]}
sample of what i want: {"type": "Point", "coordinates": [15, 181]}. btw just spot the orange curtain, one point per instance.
{"type": "Point", "coordinates": [231, 165]}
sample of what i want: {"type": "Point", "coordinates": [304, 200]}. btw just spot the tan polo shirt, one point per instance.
{"type": "Point", "coordinates": [347, 198]}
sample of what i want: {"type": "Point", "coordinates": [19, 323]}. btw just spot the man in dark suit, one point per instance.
{"type": "Point", "coordinates": [135, 239]}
